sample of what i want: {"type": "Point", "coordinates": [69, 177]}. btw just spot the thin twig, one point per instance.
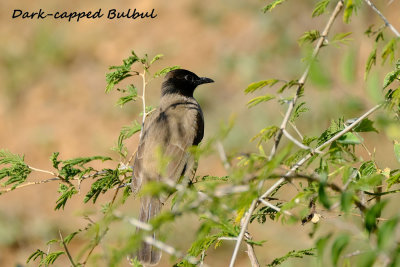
{"type": "Point", "coordinates": [143, 100]}
{"type": "Point", "coordinates": [303, 78]}
{"type": "Point", "coordinates": [292, 124]}
{"type": "Point", "coordinates": [30, 183]}
{"type": "Point", "coordinates": [66, 249]}
{"type": "Point", "coordinates": [223, 156]}
{"type": "Point", "coordinates": [169, 249]}
{"type": "Point", "coordinates": [266, 203]}
{"type": "Point", "coordinates": [251, 253]}
{"type": "Point", "coordinates": [227, 238]}
{"type": "Point", "coordinates": [296, 142]}
{"type": "Point", "coordinates": [393, 29]}
{"type": "Point", "coordinates": [243, 230]}
{"type": "Point", "coordinates": [44, 171]}
{"type": "Point", "coordinates": [51, 173]}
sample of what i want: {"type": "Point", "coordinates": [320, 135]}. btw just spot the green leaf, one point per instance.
{"type": "Point", "coordinates": [341, 38]}
{"type": "Point", "coordinates": [370, 62]}
{"type": "Point", "coordinates": [367, 259]}
{"type": "Point", "coordinates": [108, 179]}
{"type": "Point", "coordinates": [346, 199]}
{"type": "Point", "coordinates": [6, 157]}
{"type": "Point", "coordinates": [157, 57]}
{"type": "Point", "coordinates": [266, 133]}
{"type": "Point", "coordinates": [165, 71]}
{"type": "Point", "coordinates": [321, 244]}
{"type": "Point", "coordinates": [367, 168]}
{"type": "Point", "coordinates": [51, 257]}
{"type": "Point", "coordinates": [390, 78]}
{"type": "Point", "coordinates": [262, 214]}
{"type": "Point", "coordinates": [386, 233]}
{"type": "Point", "coordinates": [258, 85]}
{"type": "Point", "coordinates": [300, 108]}
{"type": "Point", "coordinates": [287, 85]}
{"type": "Point", "coordinates": [257, 100]}
{"type": "Point", "coordinates": [350, 8]}
{"type": "Point", "coordinates": [131, 96]}
{"type": "Point", "coordinates": [394, 179]}
{"type": "Point", "coordinates": [17, 171]}
{"type": "Point", "coordinates": [293, 254]}
{"type": "Point", "coordinates": [397, 150]}
{"type": "Point", "coordinates": [52, 241]}
{"type": "Point", "coordinates": [309, 37]}
{"type": "Point", "coordinates": [272, 5]}
{"type": "Point", "coordinates": [367, 182]}
{"type": "Point", "coordinates": [66, 193]}
{"type": "Point", "coordinates": [126, 132]}
{"type": "Point", "coordinates": [388, 50]}
{"type": "Point", "coordinates": [334, 128]}
{"type": "Point", "coordinates": [320, 8]}
{"type": "Point", "coordinates": [54, 159]}
{"type": "Point", "coordinates": [323, 197]}
{"type": "Point", "coordinates": [120, 72]}
{"type": "Point", "coordinates": [350, 139]}
{"type": "Point", "coordinates": [366, 125]}
{"type": "Point", "coordinates": [69, 237]}
{"type": "Point", "coordinates": [371, 215]}
{"type": "Point", "coordinates": [37, 254]}
{"type": "Point", "coordinates": [338, 246]}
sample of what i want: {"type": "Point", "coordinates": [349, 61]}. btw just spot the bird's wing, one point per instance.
{"type": "Point", "coordinates": [138, 167]}
{"type": "Point", "coordinates": [170, 131]}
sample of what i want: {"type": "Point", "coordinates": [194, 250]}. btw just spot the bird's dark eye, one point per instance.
{"type": "Point", "coordinates": [189, 78]}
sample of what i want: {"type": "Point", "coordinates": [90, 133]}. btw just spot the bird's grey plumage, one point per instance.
{"type": "Point", "coordinates": [169, 131]}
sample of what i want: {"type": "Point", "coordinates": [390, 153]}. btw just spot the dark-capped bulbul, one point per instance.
{"type": "Point", "coordinates": [176, 125]}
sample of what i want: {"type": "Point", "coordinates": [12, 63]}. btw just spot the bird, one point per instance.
{"type": "Point", "coordinates": [175, 126]}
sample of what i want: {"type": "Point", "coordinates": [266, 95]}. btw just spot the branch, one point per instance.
{"type": "Point", "coordinates": [278, 136]}
{"type": "Point", "coordinates": [266, 203]}
{"type": "Point", "coordinates": [143, 100]}
{"type": "Point", "coordinates": [303, 78]}
{"type": "Point", "coordinates": [51, 173]}
{"type": "Point", "coordinates": [299, 144]}
{"type": "Point", "coordinates": [393, 29]}
{"type": "Point", "coordinates": [66, 250]}
{"type": "Point", "coordinates": [289, 173]}
{"type": "Point", "coordinates": [30, 183]}
{"type": "Point", "coordinates": [250, 252]}
{"type": "Point", "coordinates": [243, 225]}
{"type": "Point", "coordinates": [223, 156]}
{"type": "Point", "coordinates": [169, 249]}
{"type": "Point", "coordinates": [308, 156]}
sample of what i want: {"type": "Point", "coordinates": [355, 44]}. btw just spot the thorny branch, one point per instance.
{"type": "Point", "coordinates": [291, 172]}
{"type": "Point", "coordinates": [303, 78]}
{"type": "Point", "coordinates": [279, 134]}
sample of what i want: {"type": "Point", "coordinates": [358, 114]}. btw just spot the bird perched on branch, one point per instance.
{"type": "Point", "coordinates": [176, 125]}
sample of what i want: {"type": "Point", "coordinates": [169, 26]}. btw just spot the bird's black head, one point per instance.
{"type": "Point", "coordinates": [182, 82]}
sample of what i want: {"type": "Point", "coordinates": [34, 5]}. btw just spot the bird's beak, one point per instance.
{"type": "Point", "coordinates": [202, 80]}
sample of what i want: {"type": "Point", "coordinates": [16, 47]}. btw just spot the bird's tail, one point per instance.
{"type": "Point", "coordinates": [149, 208]}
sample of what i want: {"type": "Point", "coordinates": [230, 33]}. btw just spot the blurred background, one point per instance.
{"type": "Point", "coordinates": [52, 81]}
